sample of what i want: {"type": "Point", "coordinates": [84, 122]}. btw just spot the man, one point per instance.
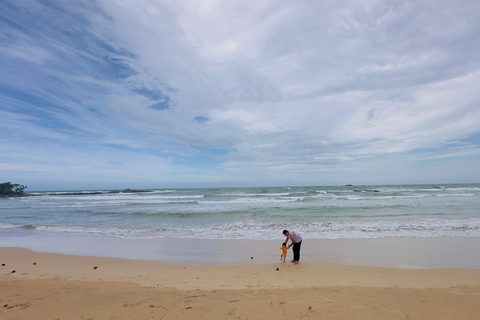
{"type": "Point", "coordinates": [296, 242]}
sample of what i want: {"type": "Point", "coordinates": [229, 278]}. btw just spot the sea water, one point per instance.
{"type": "Point", "coordinates": [329, 212]}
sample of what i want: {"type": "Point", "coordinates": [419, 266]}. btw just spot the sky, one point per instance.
{"type": "Point", "coordinates": [109, 94]}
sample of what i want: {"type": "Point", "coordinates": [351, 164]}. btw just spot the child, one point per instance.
{"type": "Point", "coordinates": [284, 248]}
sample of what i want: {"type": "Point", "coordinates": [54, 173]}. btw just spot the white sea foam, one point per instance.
{"type": "Point", "coordinates": [258, 213]}
{"type": "Point", "coordinates": [7, 226]}
{"type": "Point", "coordinates": [253, 230]}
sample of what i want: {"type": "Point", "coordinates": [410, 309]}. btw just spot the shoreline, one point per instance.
{"type": "Point", "coordinates": [404, 253]}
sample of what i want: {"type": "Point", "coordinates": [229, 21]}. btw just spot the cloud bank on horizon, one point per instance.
{"type": "Point", "coordinates": [144, 93]}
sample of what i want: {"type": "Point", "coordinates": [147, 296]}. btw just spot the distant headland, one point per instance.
{"type": "Point", "coordinates": [8, 189]}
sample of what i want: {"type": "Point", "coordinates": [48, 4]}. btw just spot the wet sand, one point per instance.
{"type": "Point", "coordinates": [415, 253]}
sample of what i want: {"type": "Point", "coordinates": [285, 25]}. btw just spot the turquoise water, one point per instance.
{"type": "Point", "coordinates": [252, 213]}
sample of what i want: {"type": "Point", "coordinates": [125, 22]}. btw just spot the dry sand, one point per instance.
{"type": "Point", "coordinates": [54, 286]}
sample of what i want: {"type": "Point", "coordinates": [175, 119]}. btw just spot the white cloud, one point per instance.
{"type": "Point", "coordinates": [288, 88]}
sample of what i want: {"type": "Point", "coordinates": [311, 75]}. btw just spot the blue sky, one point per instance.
{"type": "Point", "coordinates": [168, 94]}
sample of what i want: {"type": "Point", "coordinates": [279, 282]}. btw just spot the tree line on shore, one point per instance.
{"type": "Point", "coordinates": [8, 189]}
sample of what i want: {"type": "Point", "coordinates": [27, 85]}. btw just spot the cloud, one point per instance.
{"type": "Point", "coordinates": [233, 93]}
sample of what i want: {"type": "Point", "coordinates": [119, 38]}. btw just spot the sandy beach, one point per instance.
{"type": "Point", "coordinates": [56, 286]}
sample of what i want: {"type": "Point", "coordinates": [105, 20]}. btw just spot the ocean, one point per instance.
{"type": "Point", "coordinates": [329, 212]}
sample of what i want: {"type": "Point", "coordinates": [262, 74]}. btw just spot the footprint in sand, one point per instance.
{"type": "Point", "coordinates": [329, 300]}
{"type": "Point", "coordinates": [358, 307]}
{"type": "Point", "coordinates": [400, 313]}
{"type": "Point", "coordinates": [297, 301]}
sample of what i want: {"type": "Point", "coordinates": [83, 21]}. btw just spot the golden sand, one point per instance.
{"type": "Point", "coordinates": [53, 286]}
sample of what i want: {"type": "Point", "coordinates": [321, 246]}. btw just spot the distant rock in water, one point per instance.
{"type": "Point", "coordinates": [129, 191]}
